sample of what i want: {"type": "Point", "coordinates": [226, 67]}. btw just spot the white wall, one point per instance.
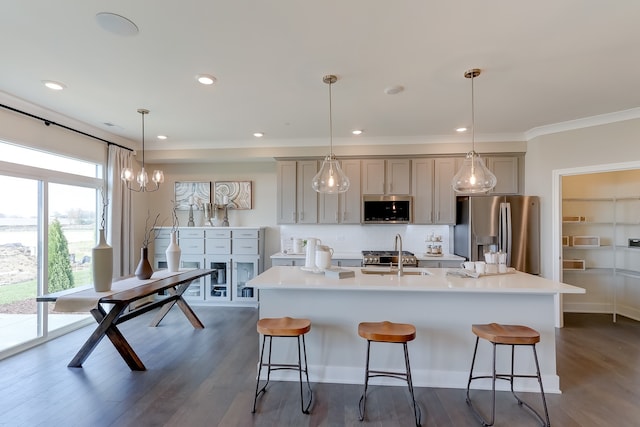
{"type": "Point", "coordinates": [613, 143]}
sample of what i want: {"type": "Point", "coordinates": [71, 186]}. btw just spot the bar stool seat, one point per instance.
{"type": "Point", "coordinates": [284, 327]}
{"type": "Point", "coordinates": [388, 332]}
{"type": "Point", "coordinates": [512, 335]}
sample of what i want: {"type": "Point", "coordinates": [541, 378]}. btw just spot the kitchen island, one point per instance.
{"type": "Point", "coordinates": [441, 306]}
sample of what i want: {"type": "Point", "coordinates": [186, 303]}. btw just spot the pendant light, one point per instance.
{"type": "Point", "coordinates": [142, 178]}
{"type": "Point", "coordinates": [473, 176]}
{"type": "Point", "coordinates": [331, 179]}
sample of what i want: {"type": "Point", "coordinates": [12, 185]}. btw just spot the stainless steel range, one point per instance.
{"type": "Point", "coordinates": [386, 258]}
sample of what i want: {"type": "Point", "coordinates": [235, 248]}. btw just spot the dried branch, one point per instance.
{"type": "Point", "coordinates": [175, 223]}
{"type": "Point", "coordinates": [105, 203]}
{"type": "Point", "coordinates": [149, 234]}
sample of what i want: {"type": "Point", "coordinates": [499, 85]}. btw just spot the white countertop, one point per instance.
{"type": "Point", "coordinates": [358, 255]}
{"type": "Point", "coordinates": [436, 280]}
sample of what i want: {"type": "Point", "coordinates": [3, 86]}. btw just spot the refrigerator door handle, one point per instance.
{"type": "Point", "coordinates": [505, 230]}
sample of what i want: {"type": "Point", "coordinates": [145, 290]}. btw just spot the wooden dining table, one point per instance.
{"type": "Point", "coordinates": [122, 303]}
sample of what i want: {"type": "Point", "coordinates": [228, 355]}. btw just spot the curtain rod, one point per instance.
{"type": "Point", "coordinates": [48, 122]}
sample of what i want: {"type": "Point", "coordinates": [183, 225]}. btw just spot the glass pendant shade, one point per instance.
{"type": "Point", "coordinates": [330, 179]}
{"type": "Point", "coordinates": [473, 176]}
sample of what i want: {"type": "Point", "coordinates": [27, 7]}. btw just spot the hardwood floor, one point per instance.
{"type": "Point", "coordinates": [207, 378]}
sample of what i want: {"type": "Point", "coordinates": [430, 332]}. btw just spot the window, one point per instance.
{"type": "Point", "coordinates": [48, 225]}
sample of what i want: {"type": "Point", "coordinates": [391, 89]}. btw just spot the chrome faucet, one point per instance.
{"type": "Point", "coordinates": [398, 247]}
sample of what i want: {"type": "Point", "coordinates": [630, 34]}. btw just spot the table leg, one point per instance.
{"type": "Point", "coordinates": [107, 326]}
{"type": "Point", "coordinates": [182, 304]}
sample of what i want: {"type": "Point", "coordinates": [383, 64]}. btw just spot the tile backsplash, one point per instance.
{"type": "Point", "coordinates": [355, 238]}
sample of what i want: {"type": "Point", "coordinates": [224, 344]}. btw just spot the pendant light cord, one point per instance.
{"type": "Point", "coordinates": [473, 118]}
{"type": "Point", "coordinates": [330, 123]}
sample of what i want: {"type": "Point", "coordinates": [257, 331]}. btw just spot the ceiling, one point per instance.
{"type": "Point", "coordinates": [543, 62]}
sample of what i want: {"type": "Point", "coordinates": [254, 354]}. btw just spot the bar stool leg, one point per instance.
{"type": "Point", "coordinates": [493, 378]}
{"type": "Point", "coordinates": [305, 410]}
{"type": "Point", "coordinates": [544, 421]}
{"type": "Point", "coordinates": [255, 398]}
{"type": "Point", "coordinates": [362, 405]}
{"type": "Point", "coordinates": [416, 410]}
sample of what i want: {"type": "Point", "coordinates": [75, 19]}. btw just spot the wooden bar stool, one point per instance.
{"type": "Point", "coordinates": [290, 328]}
{"type": "Point", "coordinates": [512, 335]}
{"type": "Point", "coordinates": [388, 332]}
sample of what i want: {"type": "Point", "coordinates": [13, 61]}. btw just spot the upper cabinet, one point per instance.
{"type": "Point", "coordinates": [297, 201]}
{"type": "Point", "coordinates": [343, 208]}
{"type": "Point", "coordinates": [507, 171]}
{"type": "Point", "coordinates": [433, 195]}
{"type": "Point", "coordinates": [427, 179]}
{"type": "Point", "coordinates": [422, 184]}
{"type": "Point", "coordinates": [390, 176]}
{"type": "Point", "coordinates": [444, 198]}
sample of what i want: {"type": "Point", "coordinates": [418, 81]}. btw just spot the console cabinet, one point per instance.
{"type": "Point", "coordinates": [235, 254]}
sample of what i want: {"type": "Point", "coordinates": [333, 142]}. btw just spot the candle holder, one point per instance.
{"type": "Point", "coordinates": [191, 222]}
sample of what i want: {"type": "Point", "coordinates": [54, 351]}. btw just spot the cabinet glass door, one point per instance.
{"type": "Point", "coordinates": [195, 290]}
{"type": "Point", "coordinates": [244, 269]}
{"type": "Point", "coordinates": [217, 283]}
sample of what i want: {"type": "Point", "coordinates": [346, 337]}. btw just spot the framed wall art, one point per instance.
{"type": "Point", "coordinates": [192, 193]}
{"type": "Point", "coordinates": [234, 194]}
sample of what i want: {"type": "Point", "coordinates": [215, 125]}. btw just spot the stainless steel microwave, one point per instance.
{"type": "Point", "coordinates": [387, 209]}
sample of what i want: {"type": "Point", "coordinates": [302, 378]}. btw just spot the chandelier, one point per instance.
{"type": "Point", "coordinates": [330, 179]}
{"type": "Point", "coordinates": [142, 178]}
{"type": "Point", "coordinates": [473, 176]}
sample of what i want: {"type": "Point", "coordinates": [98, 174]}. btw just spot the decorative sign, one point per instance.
{"type": "Point", "coordinates": [194, 194]}
{"type": "Point", "coordinates": [234, 194]}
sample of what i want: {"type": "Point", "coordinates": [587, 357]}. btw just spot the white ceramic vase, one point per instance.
{"type": "Point", "coordinates": [173, 253]}
{"type": "Point", "coordinates": [102, 262]}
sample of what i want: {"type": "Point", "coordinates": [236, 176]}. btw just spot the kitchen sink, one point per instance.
{"type": "Point", "coordinates": [394, 272]}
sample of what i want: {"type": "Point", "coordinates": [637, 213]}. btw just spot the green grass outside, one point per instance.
{"type": "Point", "coordinates": [27, 290]}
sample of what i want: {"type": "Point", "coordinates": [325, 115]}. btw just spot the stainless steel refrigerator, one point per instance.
{"type": "Point", "coordinates": [493, 223]}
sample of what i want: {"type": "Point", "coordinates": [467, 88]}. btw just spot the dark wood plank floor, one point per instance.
{"type": "Point", "coordinates": [206, 378]}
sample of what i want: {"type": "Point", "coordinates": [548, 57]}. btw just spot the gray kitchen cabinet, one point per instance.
{"type": "Point", "coordinates": [444, 198]}
{"type": "Point", "coordinates": [286, 192]}
{"type": "Point", "coordinates": [297, 201]}
{"type": "Point", "coordinates": [422, 185]}
{"type": "Point", "coordinates": [287, 262]}
{"type": "Point", "coordinates": [390, 176]}
{"type": "Point", "coordinates": [347, 262]}
{"type": "Point", "coordinates": [342, 208]}
{"type": "Point", "coordinates": [307, 197]}
{"type": "Point", "coordinates": [507, 171]}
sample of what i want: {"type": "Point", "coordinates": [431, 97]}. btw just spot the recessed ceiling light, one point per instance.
{"type": "Point", "coordinates": [206, 79]}
{"type": "Point", "coordinates": [116, 24]}
{"type": "Point", "coordinates": [54, 85]}
{"type": "Point", "coordinates": [392, 90]}
{"type": "Point", "coordinates": [461, 130]}
{"type": "Point", "coordinates": [163, 137]}
{"type": "Point", "coordinates": [356, 132]}
{"type": "Point", "coordinates": [258, 134]}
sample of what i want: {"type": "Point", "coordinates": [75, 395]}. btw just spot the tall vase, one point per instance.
{"type": "Point", "coordinates": [102, 262]}
{"type": "Point", "coordinates": [144, 270]}
{"type": "Point", "coordinates": [173, 254]}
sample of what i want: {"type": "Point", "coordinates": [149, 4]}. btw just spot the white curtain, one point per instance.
{"type": "Point", "coordinates": [120, 224]}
